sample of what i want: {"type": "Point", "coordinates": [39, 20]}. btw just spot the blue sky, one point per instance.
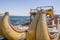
{"type": "Point", "coordinates": [22, 7]}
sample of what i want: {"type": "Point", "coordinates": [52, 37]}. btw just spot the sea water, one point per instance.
{"type": "Point", "coordinates": [16, 20]}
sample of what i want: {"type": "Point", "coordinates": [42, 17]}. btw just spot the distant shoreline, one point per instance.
{"type": "Point", "coordinates": [12, 15]}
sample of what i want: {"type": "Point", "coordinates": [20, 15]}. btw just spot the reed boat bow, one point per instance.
{"type": "Point", "coordinates": [9, 31]}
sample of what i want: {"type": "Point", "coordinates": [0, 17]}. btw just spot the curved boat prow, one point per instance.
{"type": "Point", "coordinates": [39, 30]}
{"type": "Point", "coordinates": [42, 32]}
{"type": "Point", "coordinates": [9, 31]}
{"type": "Point", "coordinates": [42, 29]}
{"type": "Point", "coordinates": [32, 29]}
